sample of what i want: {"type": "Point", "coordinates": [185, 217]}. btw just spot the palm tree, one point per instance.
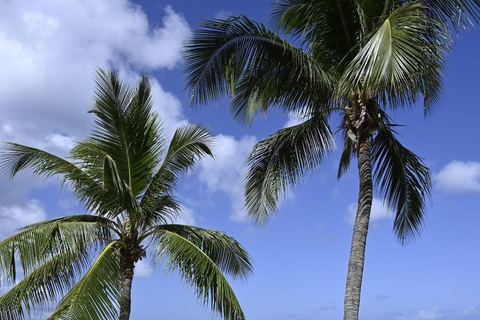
{"type": "Point", "coordinates": [356, 59]}
{"type": "Point", "coordinates": [125, 175]}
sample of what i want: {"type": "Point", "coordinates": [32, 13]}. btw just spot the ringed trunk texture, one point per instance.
{"type": "Point", "coordinates": [126, 289]}
{"type": "Point", "coordinates": [360, 230]}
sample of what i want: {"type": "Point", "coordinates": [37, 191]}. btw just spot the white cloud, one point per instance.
{"type": "Point", "coordinates": [143, 269]}
{"type": "Point", "coordinates": [225, 172]}
{"type": "Point", "coordinates": [222, 14]}
{"type": "Point", "coordinates": [186, 217]}
{"type": "Point", "coordinates": [379, 211]}
{"type": "Point", "coordinates": [61, 141]}
{"type": "Point", "coordinates": [459, 177]}
{"type": "Point", "coordinates": [48, 52]}
{"type": "Point", "coordinates": [293, 119]}
{"type": "Point", "coordinates": [14, 217]}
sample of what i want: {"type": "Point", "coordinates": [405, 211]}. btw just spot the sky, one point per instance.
{"type": "Point", "coordinates": [49, 50]}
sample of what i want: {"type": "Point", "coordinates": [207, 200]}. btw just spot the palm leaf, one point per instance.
{"type": "Point", "coordinates": [458, 14]}
{"type": "Point", "coordinates": [189, 145]}
{"type": "Point", "coordinates": [403, 181]}
{"type": "Point", "coordinates": [347, 153]}
{"type": "Point", "coordinates": [37, 243]}
{"type": "Point", "coordinates": [43, 285]}
{"type": "Point", "coordinates": [97, 293]}
{"type": "Point", "coordinates": [244, 60]}
{"type": "Point", "coordinates": [200, 256]}
{"type": "Point", "coordinates": [402, 60]}
{"type": "Point", "coordinates": [330, 29]}
{"type": "Point", "coordinates": [16, 157]}
{"type": "Point", "coordinates": [277, 163]}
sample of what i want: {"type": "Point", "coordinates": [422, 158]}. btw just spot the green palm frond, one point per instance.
{"type": "Point", "coordinates": [330, 29]}
{"type": "Point", "coordinates": [16, 157]}
{"type": "Point", "coordinates": [347, 153]}
{"type": "Point", "coordinates": [97, 293]}
{"type": "Point", "coordinates": [279, 162]}
{"type": "Point", "coordinates": [243, 59]}
{"type": "Point", "coordinates": [127, 131]}
{"type": "Point", "coordinates": [459, 14]}
{"type": "Point", "coordinates": [200, 256]}
{"type": "Point", "coordinates": [403, 181]}
{"type": "Point", "coordinates": [189, 145]}
{"type": "Point", "coordinates": [47, 283]}
{"type": "Point", "coordinates": [37, 243]}
{"type": "Point", "coordinates": [395, 64]}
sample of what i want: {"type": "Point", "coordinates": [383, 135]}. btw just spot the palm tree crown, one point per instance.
{"type": "Point", "coordinates": [353, 58]}
{"type": "Point", "coordinates": [126, 176]}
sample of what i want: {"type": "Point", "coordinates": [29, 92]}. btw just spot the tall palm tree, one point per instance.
{"type": "Point", "coordinates": [125, 175]}
{"type": "Point", "coordinates": [353, 58]}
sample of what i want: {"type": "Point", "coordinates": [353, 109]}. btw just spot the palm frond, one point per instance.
{"type": "Point", "coordinates": [189, 145]}
{"type": "Point", "coordinates": [402, 60]}
{"type": "Point", "coordinates": [45, 284]}
{"type": "Point", "coordinates": [200, 256]}
{"type": "Point", "coordinates": [330, 29]}
{"type": "Point", "coordinates": [244, 60]}
{"type": "Point", "coordinates": [37, 243]}
{"type": "Point", "coordinates": [459, 14]}
{"type": "Point", "coordinates": [16, 157]}
{"type": "Point", "coordinates": [97, 293]}
{"type": "Point", "coordinates": [403, 181]}
{"type": "Point", "coordinates": [277, 163]}
{"type": "Point", "coordinates": [127, 131]}
{"type": "Point", "coordinates": [347, 154]}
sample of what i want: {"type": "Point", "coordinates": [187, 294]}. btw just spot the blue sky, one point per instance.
{"type": "Point", "coordinates": [48, 52]}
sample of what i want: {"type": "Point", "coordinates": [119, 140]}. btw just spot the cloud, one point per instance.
{"type": "Point", "coordinates": [186, 217]}
{"type": "Point", "coordinates": [459, 177]}
{"type": "Point", "coordinates": [48, 52]}
{"type": "Point", "coordinates": [436, 313]}
{"type": "Point", "coordinates": [379, 212]}
{"type": "Point", "coordinates": [143, 269]}
{"type": "Point", "coordinates": [222, 14]}
{"type": "Point", "coordinates": [293, 119]}
{"type": "Point", "coordinates": [329, 305]}
{"type": "Point", "coordinates": [14, 217]}
{"type": "Point", "coordinates": [225, 172]}
{"type": "Point", "coordinates": [382, 296]}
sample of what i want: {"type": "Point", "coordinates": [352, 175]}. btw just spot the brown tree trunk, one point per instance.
{"type": "Point", "coordinates": [360, 230]}
{"type": "Point", "coordinates": [126, 289]}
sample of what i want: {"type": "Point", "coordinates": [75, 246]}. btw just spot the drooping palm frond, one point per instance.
{"type": "Point", "coordinates": [16, 157]}
{"type": "Point", "coordinates": [200, 256]}
{"type": "Point", "coordinates": [403, 181]}
{"type": "Point", "coordinates": [37, 243]}
{"type": "Point", "coordinates": [330, 29]}
{"type": "Point", "coordinates": [279, 162]}
{"type": "Point", "coordinates": [395, 64]}
{"type": "Point", "coordinates": [47, 283]}
{"type": "Point", "coordinates": [459, 14]}
{"type": "Point", "coordinates": [243, 59]}
{"type": "Point", "coordinates": [97, 293]}
{"type": "Point", "coordinates": [347, 153]}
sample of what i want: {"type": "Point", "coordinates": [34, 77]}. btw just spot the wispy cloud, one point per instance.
{"type": "Point", "coordinates": [225, 172]}
{"type": "Point", "coordinates": [379, 211]}
{"type": "Point", "coordinates": [14, 217]}
{"type": "Point", "coordinates": [459, 177]}
{"type": "Point", "coordinates": [382, 296]}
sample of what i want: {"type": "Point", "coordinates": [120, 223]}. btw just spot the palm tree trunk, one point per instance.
{"type": "Point", "coordinates": [360, 230]}
{"type": "Point", "coordinates": [126, 289]}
